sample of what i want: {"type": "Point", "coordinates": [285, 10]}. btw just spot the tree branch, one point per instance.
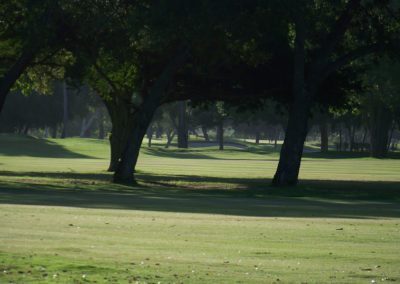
{"type": "Point", "coordinates": [105, 77]}
{"type": "Point", "coordinates": [43, 60]}
{"type": "Point", "coordinates": [338, 30]}
{"type": "Point", "coordinates": [349, 57]}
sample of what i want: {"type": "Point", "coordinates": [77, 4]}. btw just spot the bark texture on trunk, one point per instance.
{"type": "Point", "coordinates": [137, 126]}
{"type": "Point", "coordinates": [119, 115]}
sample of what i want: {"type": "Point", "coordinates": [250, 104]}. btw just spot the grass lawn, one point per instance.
{"type": "Point", "coordinates": [197, 216]}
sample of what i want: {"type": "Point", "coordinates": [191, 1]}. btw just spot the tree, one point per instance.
{"type": "Point", "coordinates": [22, 24]}
{"type": "Point", "coordinates": [380, 103]}
{"type": "Point", "coordinates": [361, 29]}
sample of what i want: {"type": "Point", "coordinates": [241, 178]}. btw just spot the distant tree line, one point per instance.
{"type": "Point", "coordinates": [138, 55]}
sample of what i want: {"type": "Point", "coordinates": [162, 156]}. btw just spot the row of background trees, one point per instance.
{"type": "Point", "coordinates": [303, 54]}
{"type": "Point", "coordinates": [349, 128]}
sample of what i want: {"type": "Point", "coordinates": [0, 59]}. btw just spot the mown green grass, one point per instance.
{"type": "Point", "coordinates": [197, 216]}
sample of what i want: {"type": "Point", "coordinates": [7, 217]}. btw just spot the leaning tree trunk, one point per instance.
{"type": "Point", "coordinates": [380, 125]}
{"type": "Point", "coordinates": [138, 125]}
{"type": "Point", "coordinates": [141, 119]}
{"type": "Point", "coordinates": [183, 137]}
{"type": "Point", "coordinates": [292, 149]}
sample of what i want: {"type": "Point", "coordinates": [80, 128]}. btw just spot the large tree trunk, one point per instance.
{"type": "Point", "coordinates": [119, 114]}
{"type": "Point", "coordinates": [137, 126]}
{"type": "Point", "coordinates": [381, 119]}
{"type": "Point", "coordinates": [183, 137]}
{"type": "Point", "coordinates": [65, 110]}
{"type": "Point", "coordinates": [220, 134]}
{"type": "Point", "coordinates": [292, 149]}
{"type": "Point", "coordinates": [8, 80]}
{"type": "Point", "coordinates": [140, 120]}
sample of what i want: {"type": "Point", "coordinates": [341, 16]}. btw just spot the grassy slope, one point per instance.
{"type": "Point", "coordinates": [61, 219]}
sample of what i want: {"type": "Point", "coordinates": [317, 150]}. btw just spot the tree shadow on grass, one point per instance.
{"type": "Point", "coordinates": [15, 146]}
{"type": "Point", "coordinates": [334, 199]}
{"type": "Point", "coordinates": [346, 155]}
{"type": "Point", "coordinates": [199, 154]}
{"type": "Point", "coordinates": [179, 154]}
